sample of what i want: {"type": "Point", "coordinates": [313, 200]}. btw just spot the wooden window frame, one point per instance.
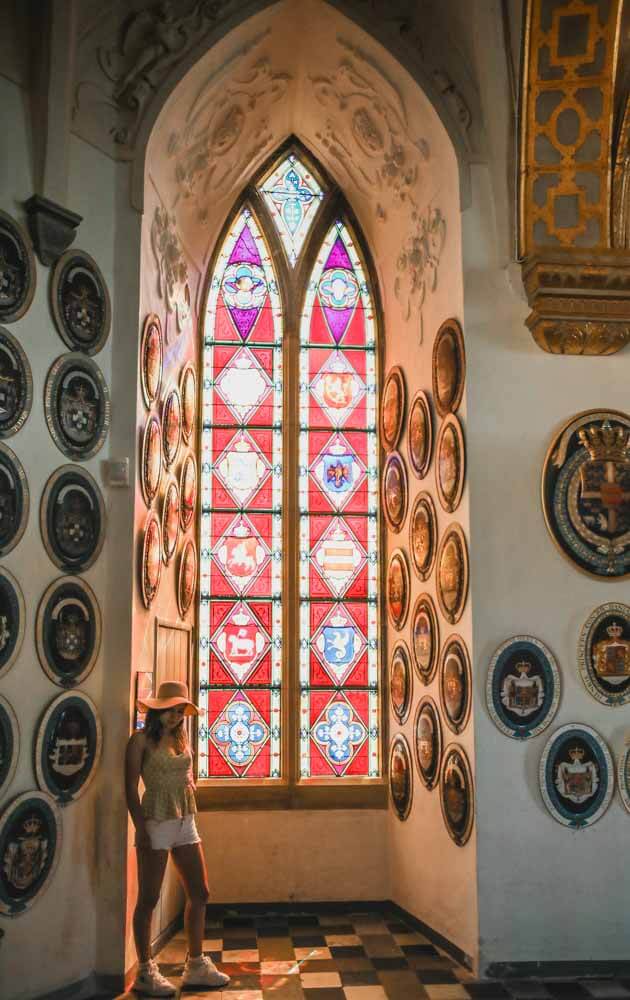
{"type": "Point", "coordinates": [293, 791]}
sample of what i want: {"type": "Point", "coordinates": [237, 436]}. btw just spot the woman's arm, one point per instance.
{"type": "Point", "coordinates": [133, 765]}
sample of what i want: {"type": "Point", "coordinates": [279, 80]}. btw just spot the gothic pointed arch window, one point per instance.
{"type": "Point", "coordinates": [288, 662]}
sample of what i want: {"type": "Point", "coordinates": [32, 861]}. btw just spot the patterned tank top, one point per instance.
{"type": "Point", "coordinates": [168, 782]}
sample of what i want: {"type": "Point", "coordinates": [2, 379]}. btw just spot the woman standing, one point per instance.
{"type": "Point", "coordinates": [165, 821]}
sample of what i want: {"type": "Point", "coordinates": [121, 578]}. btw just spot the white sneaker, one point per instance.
{"type": "Point", "coordinates": [152, 983]}
{"type": "Point", "coordinates": [203, 972]}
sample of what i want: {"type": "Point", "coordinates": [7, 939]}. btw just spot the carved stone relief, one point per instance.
{"type": "Point", "coordinates": [419, 258]}
{"type": "Point", "coordinates": [172, 270]}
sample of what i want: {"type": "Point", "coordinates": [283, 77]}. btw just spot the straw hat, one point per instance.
{"type": "Point", "coordinates": [170, 694]}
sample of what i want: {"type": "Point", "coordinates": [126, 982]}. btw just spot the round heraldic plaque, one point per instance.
{"type": "Point", "coordinates": [395, 491]}
{"type": "Point", "coordinates": [12, 620]}
{"type": "Point", "coordinates": [457, 796]}
{"type": "Point", "coordinates": [17, 270]}
{"type": "Point", "coordinates": [398, 589]}
{"type": "Point", "coordinates": [428, 742]}
{"type": "Point", "coordinates": [586, 492]}
{"type": "Point", "coordinates": [576, 776]}
{"type": "Point", "coordinates": [420, 435]}
{"type": "Point", "coordinates": [9, 744]}
{"type": "Point", "coordinates": [80, 302]}
{"type": "Point", "coordinates": [400, 682]}
{"type": "Point", "coordinates": [76, 401]}
{"type": "Point", "coordinates": [30, 845]}
{"type": "Point", "coordinates": [16, 385]}
{"type": "Point", "coordinates": [604, 654]}
{"type": "Point", "coordinates": [72, 518]}
{"type": "Point", "coordinates": [523, 687]}
{"type": "Point", "coordinates": [14, 500]}
{"type": "Point", "coordinates": [151, 359]}
{"type": "Point", "coordinates": [401, 777]}
{"type": "Point", "coordinates": [68, 746]}
{"type": "Point", "coordinates": [392, 408]}
{"type": "Point", "coordinates": [68, 631]}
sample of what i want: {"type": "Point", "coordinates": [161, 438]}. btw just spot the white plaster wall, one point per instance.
{"type": "Point", "coordinates": [545, 892]}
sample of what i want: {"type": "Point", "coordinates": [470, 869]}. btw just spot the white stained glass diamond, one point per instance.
{"type": "Point", "coordinates": [244, 385]}
{"type": "Point", "coordinates": [337, 388]}
{"type": "Point", "coordinates": [338, 556]}
{"type": "Point", "coordinates": [242, 468]}
{"type": "Point", "coordinates": [292, 196]}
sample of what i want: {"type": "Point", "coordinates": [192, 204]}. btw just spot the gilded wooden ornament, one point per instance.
{"type": "Point", "coordinates": [12, 620]}
{"type": "Point", "coordinates": [16, 385]}
{"type": "Point", "coordinates": [188, 491]}
{"type": "Point", "coordinates": [30, 847]}
{"type": "Point", "coordinates": [401, 777]}
{"type": "Point", "coordinates": [425, 638]}
{"type": "Point", "coordinates": [14, 500]}
{"type": "Point", "coordinates": [457, 795]}
{"type": "Point", "coordinates": [171, 427]}
{"type": "Point", "coordinates": [72, 518]}
{"type": "Point", "coordinates": [523, 687]}
{"type": "Point", "coordinates": [18, 276]}
{"type": "Point", "coordinates": [576, 776]}
{"type": "Point", "coordinates": [398, 589]}
{"type": "Point", "coordinates": [427, 739]}
{"type": "Point", "coordinates": [68, 746]}
{"type": "Point", "coordinates": [400, 681]}
{"type": "Point", "coordinates": [151, 359]}
{"type": "Point", "coordinates": [450, 463]}
{"type": "Point", "coordinates": [187, 577]}
{"type": "Point", "coordinates": [455, 683]}
{"type": "Point", "coordinates": [423, 535]}
{"type": "Point", "coordinates": [9, 745]}
{"type": "Point", "coordinates": [188, 395]}
{"type": "Point", "coordinates": [395, 491]}
{"type": "Point", "coordinates": [448, 367]}
{"type": "Point", "coordinates": [77, 406]}
{"type": "Point", "coordinates": [586, 492]}
{"type": "Point", "coordinates": [392, 408]}
{"type": "Point", "coordinates": [151, 459]}
{"type": "Point", "coordinates": [420, 435]}
{"type": "Point", "coordinates": [170, 521]}
{"type": "Point", "coordinates": [80, 302]}
{"type": "Point", "coordinates": [604, 654]}
{"type": "Point", "coordinates": [68, 631]}
{"type": "Point", "coordinates": [151, 559]}
{"type": "Point", "coordinates": [452, 573]}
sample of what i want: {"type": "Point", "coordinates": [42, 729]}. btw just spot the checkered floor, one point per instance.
{"type": "Point", "coordinates": [352, 956]}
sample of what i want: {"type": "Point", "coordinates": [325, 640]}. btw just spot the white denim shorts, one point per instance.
{"type": "Point", "coordinates": [169, 833]}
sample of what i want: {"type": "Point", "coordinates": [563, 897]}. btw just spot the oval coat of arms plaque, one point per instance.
{"type": "Point", "coordinates": [80, 302]}
{"type": "Point", "coordinates": [9, 744]}
{"type": "Point", "coordinates": [523, 687]}
{"type": "Point", "coordinates": [16, 385]}
{"type": "Point", "coordinates": [187, 577]}
{"type": "Point", "coordinates": [188, 395]}
{"type": "Point", "coordinates": [427, 734]}
{"type": "Point", "coordinates": [400, 682]}
{"type": "Point", "coordinates": [400, 777]}
{"type": "Point", "coordinates": [171, 426]}
{"type": "Point", "coordinates": [576, 776]}
{"type": "Point", "coordinates": [420, 435]}
{"type": "Point", "coordinates": [604, 654]}
{"type": "Point", "coordinates": [398, 589]}
{"type": "Point", "coordinates": [14, 500]}
{"type": "Point", "coordinates": [12, 620]}
{"type": "Point", "coordinates": [449, 367]}
{"type": "Point", "coordinates": [17, 270]}
{"type": "Point", "coordinates": [68, 746]}
{"type": "Point", "coordinates": [188, 491]}
{"type": "Point", "coordinates": [455, 683]}
{"type": "Point", "coordinates": [68, 631]}
{"type": "Point", "coordinates": [586, 492]}
{"type": "Point", "coordinates": [76, 401]}
{"type": "Point", "coordinates": [72, 518]}
{"type": "Point", "coordinates": [457, 797]}
{"type": "Point", "coordinates": [392, 408]}
{"type": "Point", "coordinates": [395, 491]}
{"type": "Point", "coordinates": [30, 845]}
{"type": "Point", "coordinates": [151, 359]}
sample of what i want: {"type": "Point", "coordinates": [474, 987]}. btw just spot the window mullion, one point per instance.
{"type": "Point", "coordinates": [291, 597]}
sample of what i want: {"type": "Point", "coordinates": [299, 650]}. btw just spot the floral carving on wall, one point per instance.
{"type": "Point", "coordinates": [419, 258]}
{"type": "Point", "coordinates": [172, 269]}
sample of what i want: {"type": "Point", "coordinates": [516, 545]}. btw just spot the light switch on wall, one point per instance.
{"type": "Point", "coordinates": [117, 472]}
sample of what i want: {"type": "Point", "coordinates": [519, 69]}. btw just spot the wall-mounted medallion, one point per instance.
{"type": "Point", "coordinates": [30, 846]}
{"type": "Point", "coordinates": [523, 687]}
{"type": "Point", "coordinates": [576, 776]}
{"type": "Point", "coordinates": [586, 492]}
{"type": "Point", "coordinates": [452, 573]}
{"type": "Point", "coordinates": [187, 577]}
{"type": "Point", "coordinates": [9, 745]}
{"type": "Point", "coordinates": [188, 396]}
{"type": "Point", "coordinates": [171, 426]}
{"type": "Point", "coordinates": [80, 302]}
{"type": "Point", "coordinates": [398, 589]}
{"type": "Point", "coordinates": [400, 777]}
{"type": "Point", "coordinates": [12, 620]}
{"type": "Point", "coordinates": [14, 500]}
{"type": "Point", "coordinates": [151, 471]}
{"type": "Point", "coordinates": [151, 359]}
{"type": "Point", "coordinates": [170, 521]}
{"type": "Point", "coordinates": [449, 367]}
{"type": "Point", "coordinates": [450, 463]}
{"type": "Point", "coordinates": [427, 738]}
{"type": "Point", "coordinates": [623, 777]}
{"type": "Point", "coordinates": [400, 681]}
{"type": "Point", "coordinates": [151, 559]}
{"type": "Point", "coordinates": [457, 795]}
{"type": "Point", "coordinates": [604, 654]}
{"type": "Point", "coordinates": [455, 683]}
{"type": "Point", "coordinates": [420, 435]}
{"type": "Point", "coordinates": [68, 631]}
{"type": "Point", "coordinates": [76, 401]}
{"type": "Point", "coordinates": [72, 518]}
{"type": "Point", "coordinates": [16, 385]}
{"type": "Point", "coordinates": [392, 408]}
{"type": "Point", "coordinates": [425, 638]}
{"type": "Point", "coordinates": [17, 270]}
{"type": "Point", "coordinates": [395, 491]}
{"type": "Point", "coordinates": [423, 535]}
{"type": "Point", "coordinates": [68, 746]}
{"type": "Point", "coordinates": [188, 491]}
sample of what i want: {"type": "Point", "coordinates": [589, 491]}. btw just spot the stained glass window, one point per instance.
{"type": "Point", "coordinates": [240, 620]}
{"type": "Point", "coordinates": [312, 548]}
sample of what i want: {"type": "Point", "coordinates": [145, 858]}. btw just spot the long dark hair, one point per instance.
{"type": "Point", "coordinates": [153, 728]}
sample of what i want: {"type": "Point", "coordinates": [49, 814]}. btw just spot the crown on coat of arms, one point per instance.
{"type": "Point", "coordinates": [615, 630]}
{"type": "Point", "coordinates": [32, 825]}
{"type": "Point", "coordinates": [576, 754]}
{"type": "Point", "coordinates": [606, 442]}
{"type": "Point", "coordinates": [523, 667]}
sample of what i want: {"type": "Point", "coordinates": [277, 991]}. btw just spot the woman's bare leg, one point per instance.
{"type": "Point", "coordinates": [151, 866]}
{"type": "Point", "coordinates": [191, 868]}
